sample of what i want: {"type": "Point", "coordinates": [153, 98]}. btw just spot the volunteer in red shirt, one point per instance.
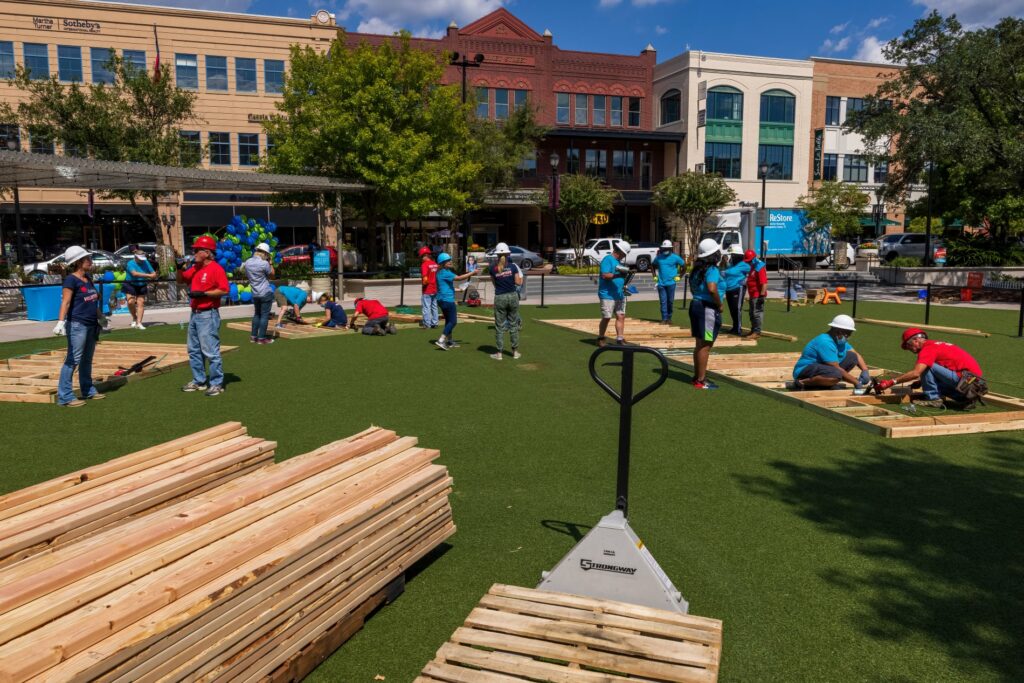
{"type": "Point", "coordinates": [757, 291]}
{"type": "Point", "coordinates": [939, 367]}
{"type": "Point", "coordinates": [378, 322]}
{"type": "Point", "coordinates": [428, 279]}
{"type": "Point", "coordinates": [207, 283]}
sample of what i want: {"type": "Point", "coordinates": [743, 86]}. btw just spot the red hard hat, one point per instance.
{"type": "Point", "coordinates": [205, 242]}
{"type": "Point", "coordinates": [749, 255]}
{"type": "Point", "coordinates": [910, 333]}
{"type": "Point", "coordinates": [423, 251]}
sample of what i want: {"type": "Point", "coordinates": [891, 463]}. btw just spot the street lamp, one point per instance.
{"type": "Point", "coordinates": [763, 170]}
{"type": "Point", "coordinates": [928, 218]}
{"type": "Point", "coordinates": [553, 203]}
{"type": "Point", "coordinates": [463, 62]}
{"type": "Point", "coordinates": [879, 212]}
{"type": "Point", "coordinates": [12, 145]}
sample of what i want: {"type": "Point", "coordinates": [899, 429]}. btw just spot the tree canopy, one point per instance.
{"type": "Point", "coordinates": [690, 198]}
{"type": "Point", "coordinates": [581, 197]}
{"type": "Point", "coordinates": [837, 206]}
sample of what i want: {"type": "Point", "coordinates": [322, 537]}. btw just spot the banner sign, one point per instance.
{"type": "Point", "coordinates": [819, 141]}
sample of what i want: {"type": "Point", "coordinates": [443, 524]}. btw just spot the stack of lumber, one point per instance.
{"type": "Point", "coordinates": [521, 634]}
{"type": "Point", "coordinates": [649, 333]}
{"type": "Point", "coordinates": [33, 378]}
{"type": "Point", "coordinates": [246, 581]}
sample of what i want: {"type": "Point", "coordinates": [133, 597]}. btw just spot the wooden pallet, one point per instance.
{"type": "Point", "coordinates": [522, 634]}
{"type": "Point", "coordinates": [33, 378]}
{"type": "Point", "coordinates": [930, 328]}
{"type": "Point", "coordinates": [648, 333]}
{"type": "Point", "coordinates": [772, 374]}
{"type": "Point", "coordinates": [293, 331]}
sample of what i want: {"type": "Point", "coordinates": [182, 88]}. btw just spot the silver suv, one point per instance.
{"type": "Point", "coordinates": [910, 244]}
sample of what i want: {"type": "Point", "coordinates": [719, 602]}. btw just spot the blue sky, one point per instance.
{"type": "Point", "coordinates": [783, 28]}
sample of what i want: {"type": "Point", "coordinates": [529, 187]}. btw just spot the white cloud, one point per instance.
{"type": "Point", "coordinates": [377, 25]}
{"type": "Point", "coordinates": [838, 28]}
{"type": "Point", "coordinates": [975, 13]}
{"type": "Point", "coordinates": [876, 22]}
{"type": "Point", "coordinates": [870, 50]}
{"type": "Point", "coordinates": [832, 46]}
{"type": "Point", "coordinates": [660, 30]}
{"type": "Point", "coordinates": [608, 3]}
{"type": "Point", "coordinates": [214, 5]}
{"type": "Point", "coordinates": [404, 13]}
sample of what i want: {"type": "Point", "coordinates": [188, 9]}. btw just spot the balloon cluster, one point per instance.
{"type": "Point", "coordinates": [240, 239]}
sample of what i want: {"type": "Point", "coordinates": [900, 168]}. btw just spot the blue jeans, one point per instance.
{"type": "Point", "coordinates": [451, 314]}
{"type": "Point", "coordinates": [261, 314]}
{"type": "Point", "coordinates": [204, 345]}
{"type": "Point", "coordinates": [82, 340]}
{"type": "Point", "coordinates": [938, 381]}
{"type": "Point", "coordinates": [430, 317]}
{"type": "Point", "coordinates": [667, 296]}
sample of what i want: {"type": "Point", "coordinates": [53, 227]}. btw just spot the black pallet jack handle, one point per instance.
{"type": "Point", "coordinates": [626, 399]}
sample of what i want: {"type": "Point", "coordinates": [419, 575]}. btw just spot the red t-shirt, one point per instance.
{"type": "Point", "coordinates": [210, 276]}
{"type": "Point", "coordinates": [757, 278]}
{"type": "Point", "coordinates": [429, 270]}
{"type": "Point", "coordinates": [371, 308]}
{"type": "Point", "coordinates": [947, 355]}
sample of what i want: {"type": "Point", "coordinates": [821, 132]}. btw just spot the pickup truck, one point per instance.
{"type": "Point", "coordinates": [640, 255]}
{"type": "Point", "coordinates": [785, 238]}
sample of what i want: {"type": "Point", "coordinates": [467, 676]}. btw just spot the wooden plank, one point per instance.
{"type": "Point", "coordinates": [494, 661]}
{"type": "Point", "coordinates": [934, 328]}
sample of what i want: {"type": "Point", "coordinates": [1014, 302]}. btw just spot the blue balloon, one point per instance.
{"type": "Point", "coordinates": [108, 276]}
{"type": "Point", "coordinates": [233, 292]}
{"type": "Point", "coordinates": [246, 297]}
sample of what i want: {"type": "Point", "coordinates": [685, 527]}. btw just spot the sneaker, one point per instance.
{"type": "Point", "coordinates": [453, 345]}
{"type": "Point", "coordinates": [253, 340]}
{"type": "Point", "coordinates": [516, 355]}
{"type": "Point", "coordinates": [132, 325]}
{"type": "Point", "coordinates": [140, 326]}
{"type": "Point", "coordinates": [496, 356]}
{"type": "Point", "coordinates": [441, 343]}
{"type": "Point", "coordinates": [392, 329]}
{"type": "Point", "coordinates": [75, 403]}
{"type": "Point", "coordinates": [97, 397]}
{"type": "Point", "coordinates": [279, 326]}
{"type": "Point", "coordinates": [706, 384]}
{"type": "Point", "coordinates": [379, 332]}
{"type": "Point", "coordinates": [423, 326]}
{"type": "Point", "coordinates": [934, 403]}
{"type": "Point", "coordinates": [267, 340]}
{"type": "Point", "coordinates": [194, 386]}
{"type": "Point", "coordinates": [215, 390]}
{"type": "Point", "coordinates": [620, 341]}
{"type": "Point", "coordinates": [601, 342]}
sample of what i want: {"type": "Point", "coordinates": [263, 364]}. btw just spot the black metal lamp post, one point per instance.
{"type": "Point", "coordinates": [763, 170]}
{"type": "Point", "coordinates": [463, 62]}
{"type": "Point", "coordinates": [553, 202]}
{"type": "Point", "coordinates": [928, 219]}
{"type": "Point", "coordinates": [879, 212]}
{"type": "Point", "coordinates": [12, 145]}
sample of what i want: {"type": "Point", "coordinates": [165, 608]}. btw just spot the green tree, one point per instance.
{"type": "Point", "coordinates": [581, 197]}
{"type": "Point", "coordinates": [956, 102]}
{"type": "Point", "coordinates": [134, 118]}
{"type": "Point", "coordinates": [500, 148]}
{"type": "Point", "coordinates": [690, 198]}
{"type": "Point", "coordinates": [379, 115]}
{"type": "Point", "coordinates": [837, 206]}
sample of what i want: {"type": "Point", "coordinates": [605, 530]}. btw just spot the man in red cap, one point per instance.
{"type": "Point", "coordinates": [428, 280]}
{"type": "Point", "coordinates": [757, 290]}
{"type": "Point", "coordinates": [939, 368]}
{"type": "Point", "coordinates": [207, 283]}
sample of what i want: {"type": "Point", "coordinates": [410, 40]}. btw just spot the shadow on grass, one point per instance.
{"type": "Point", "coordinates": [944, 539]}
{"type": "Point", "coordinates": [576, 531]}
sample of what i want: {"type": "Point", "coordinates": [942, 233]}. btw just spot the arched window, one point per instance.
{"type": "Point", "coordinates": [725, 104]}
{"type": "Point", "coordinates": [778, 106]}
{"type": "Point", "coordinates": [775, 152]}
{"type": "Point", "coordinates": [723, 147]}
{"type": "Point", "coordinates": [671, 106]}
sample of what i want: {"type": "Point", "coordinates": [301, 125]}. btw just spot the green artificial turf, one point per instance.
{"type": "Point", "coordinates": [830, 554]}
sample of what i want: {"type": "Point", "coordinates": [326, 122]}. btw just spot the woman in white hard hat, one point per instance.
{"type": "Point", "coordinates": [829, 358]}
{"type": "Point", "coordinates": [668, 269]}
{"type": "Point", "coordinates": [260, 271]}
{"type": "Point", "coordinates": [507, 278]}
{"type": "Point", "coordinates": [705, 309]}
{"type": "Point", "coordinates": [79, 319]}
{"type": "Point", "coordinates": [140, 272]}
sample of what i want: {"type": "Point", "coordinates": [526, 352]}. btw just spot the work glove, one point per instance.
{"type": "Point", "coordinates": [865, 377]}
{"type": "Point", "coordinates": [624, 270]}
{"type": "Point", "coordinates": [883, 384]}
{"type": "Point", "coordinates": [59, 328]}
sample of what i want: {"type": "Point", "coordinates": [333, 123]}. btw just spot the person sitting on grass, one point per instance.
{"type": "Point", "coordinates": [378, 322]}
{"type": "Point", "coordinates": [334, 314]}
{"type": "Point", "coordinates": [829, 358]}
{"type": "Point", "coordinates": [290, 301]}
{"type": "Point", "coordinates": [939, 368]}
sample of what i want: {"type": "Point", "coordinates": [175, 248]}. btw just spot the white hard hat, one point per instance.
{"type": "Point", "coordinates": [264, 247]}
{"type": "Point", "coordinates": [735, 250]}
{"type": "Point", "coordinates": [707, 247]}
{"type": "Point", "coordinates": [317, 295]}
{"type": "Point", "coordinates": [73, 254]}
{"type": "Point", "coordinates": [843, 322]}
{"type": "Point", "coordinates": [667, 244]}
{"type": "Point", "coordinates": [502, 249]}
{"type": "Point", "coordinates": [622, 246]}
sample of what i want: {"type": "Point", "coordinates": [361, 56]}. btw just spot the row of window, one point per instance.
{"type": "Point", "coordinates": [596, 110]}
{"type": "Point", "coordinates": [855, 169]}
{"type": "Point", "coordinates": [725, 158]}
{"type": "Point", "coordinates": [726, 104]}
{"type": "Point", "coordinates": [595, 162]}
{"type": "Point", "coordinates": [505, 102]}
{"type": "Point", "coordinates": [220, 147]}
{"type": "Point", "coordinates": [186, 73]}
{"type": "Point", "coordinates": [833, 108]}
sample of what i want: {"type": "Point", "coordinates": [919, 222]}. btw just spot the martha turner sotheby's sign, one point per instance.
{"type": "Point", "coordinates": [71, 25]}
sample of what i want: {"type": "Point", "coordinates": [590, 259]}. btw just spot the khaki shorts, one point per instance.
{"type": "Point", "coordinates": [612, 307]}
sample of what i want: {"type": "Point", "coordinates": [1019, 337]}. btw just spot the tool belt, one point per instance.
{"type": "Point", "coordinates": [972, 387]}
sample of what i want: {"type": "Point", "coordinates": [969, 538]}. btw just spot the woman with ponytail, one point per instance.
{"type": "Point", "coordinates": [507, 278]}
{"type": "Point", "coordinates": [705, 309]}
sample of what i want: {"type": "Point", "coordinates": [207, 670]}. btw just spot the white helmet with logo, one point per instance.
{"type": "Point", "coordinates": [621, 246]}
{"type": "Point", "coordinates": [502, 249]}
{"type": "Point", "coordinates": [708, 247]}
{"type": "Point", "coordinates": [843, 322]}
{"type": "Point", "coordinates": [74, 254]}
{"type": "Point", "coordinates": [667, 244]}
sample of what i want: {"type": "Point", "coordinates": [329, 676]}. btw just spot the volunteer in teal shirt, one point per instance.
{"type": "Point", "coordinates": [735, 277]}
{"type": "Point", "coordinates": [611, 291]}
{"type": "Point", "coordinates": [611, 288]}
{"type": "Point", "coordinates": [446, 279]}
{"type": "Point", "coordinates": [705, 309]}
{"type": "Point", "coordinates": [668, 266]}
{"type": "Point", "coordinates": [829, 358]}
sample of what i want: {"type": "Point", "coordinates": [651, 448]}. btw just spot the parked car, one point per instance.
{"type": "Point", "coordinates": [910, 244]}
{"type": "Point", "coordinates": [641, 255]}
{"type": "Point", "coordinates": [101, 260]}
{"type": "Point", "coordinates": [127, 251]}
{"type": "Point", "coordinates": [301, 254]}
{"type": "Point", "coordinates": [829, 261]}
{"type": "Point", "coordinates": [524, 258]}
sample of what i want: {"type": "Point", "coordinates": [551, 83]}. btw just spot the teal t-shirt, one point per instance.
{"type": "Point", "coordinates": [668, 267]}
{"type": "Point", "coordinates": [736, 275]}
{"type": "Point", "coordinates": [293, 295]}
{"type": "Point", "coordinates": [613, 288]}
{"type": "Point", "coordinates": [700, 289]}
{"type": "Point", "coordinates": [446, 285]}
{"type": "Point", "coordinates": [135, 266]}
{"type": "Point", "coordinates": [822, 349]}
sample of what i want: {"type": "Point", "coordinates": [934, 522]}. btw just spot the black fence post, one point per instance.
{"type": "Point", "coordinates": [542, 291]}
{"type": "Point", "coordinates": [928, 303]}
{"type": "Point", "coordinates": [686, 287]}
{"type": "Point", "coordinates": [401, 292]}
{"type": "Point", "coordinates": [855, 281]}
{"type": "Point", "coordinates": [1020, 320]}
{"type": "Point", "coordinates": [789, 285]}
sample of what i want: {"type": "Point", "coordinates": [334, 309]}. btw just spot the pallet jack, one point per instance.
{"type": "Point", "coordinates": [611, 562]}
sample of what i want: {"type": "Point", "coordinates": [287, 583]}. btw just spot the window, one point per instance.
{"type": "Point", "coordinates": [135, 58]}
{"type": "Point", "coordinates": [245, 74]}
{"type": "Point", "coordinates": [725, 104]}
{"type": "Point", "coordinates": [186, 71]}
{"type": "Point", "coordinates": [622, 163]}
{"type": "Point", "coordinates": [271, 144]}
{"type": "Point", "coordinates": [598, 116]}
{"type": "Point", "coordinates": [854, 104]}
{"type": "Point", "coordinates": [216, 73]}
{"type": "Point", "coordinates": [483, 109]}
{"type": "Point", "coordinates": [572, 161]}
{"type": "Point", "coordinates": [778, 106]}
{"type": "Point", "coordinates": [194, 144]}
{"type": "Point", "coordinates": [832, 111]}
{"type": "Point", "coordinates": [881, 172]}
{"type": "Point", "coordinates": [9, 131]}
{"type": "Point", "coordinates": [634, 112]}
{"type": "Point", "coordinates": [37, 61]}
{"type": "Point", "coordinates": [528, 166]}
{"type": "Point", "coordinates": [69, 63]}
{"type": "Point", "coordinates": [829, 166]}
{"type": "Point", "coordinates": [501, 104]}
{"type": "Point", "coordinates": [779, 159]}
{"type": "Point", "coordinates": [855, 169]}
{"type": "Point", "coordinates": [616, 111]}
{"type": "Point", "coordinates": [6, 59]}
{"type": "Point", "coordinates": [671, 107]}
{"type": "Point", "coordinates": [581, 110]}
{"type": "Point", "coordinates": [521, 99]}
{"type": "Point", "coordinates": [248, 149]}
{"type": "Point", "coordinates": [273, 75]}
{"type": "Point", "coordinates": [220, 149]}
{"type": "Point", "coordinates": [99, 59]}
{"type": "Point", "coordinates": [722, 158]}
{"type": "Point", "coordinates": [562, 108]}
{"type": "Point", "coordinates": [40, 142]}
{"type": "Point", "coordinates": [597, 162]}
{"type": "Point", "coordinates": [646, 169]}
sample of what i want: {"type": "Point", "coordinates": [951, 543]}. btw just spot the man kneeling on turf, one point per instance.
{"type": "Point", "coordinates": [829, 358]}
{"type": "Point", "coordinates": [940, 368]}
{"type": "Point", "coordinates": [377, 320]}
